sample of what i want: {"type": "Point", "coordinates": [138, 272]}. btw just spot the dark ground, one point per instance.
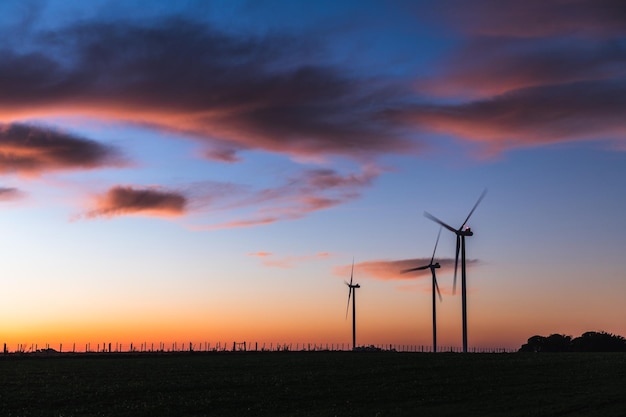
{"type": "Point", "coordinates": [314, 384]}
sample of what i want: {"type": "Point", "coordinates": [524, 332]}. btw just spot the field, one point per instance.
{"type": "Point", "coordinates": [314, 384]}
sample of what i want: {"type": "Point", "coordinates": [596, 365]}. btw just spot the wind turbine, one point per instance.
{"type": "Point", "coordinates": [432, 268]}
{"type": "Point", "coordinates": [461, 233]}
{"type": "Point", "coordinates": [352, 290]}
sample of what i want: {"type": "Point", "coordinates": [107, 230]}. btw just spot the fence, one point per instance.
{"type": "Point", "coordinates": [145, 347]}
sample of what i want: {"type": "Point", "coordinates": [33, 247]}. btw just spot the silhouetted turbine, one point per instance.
{"type": "Point", "coordinates": [432, 268]}
{"type": "Point", "coordinates": [461, 233]}
{"type": "Point", "coordinates": [352, 293]}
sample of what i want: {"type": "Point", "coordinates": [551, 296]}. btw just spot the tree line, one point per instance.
{"type": "Point", "coordinates": [587, 342]}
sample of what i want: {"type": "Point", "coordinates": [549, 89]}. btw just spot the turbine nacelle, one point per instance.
{"type": "Point", "coordinates": [466, 231]}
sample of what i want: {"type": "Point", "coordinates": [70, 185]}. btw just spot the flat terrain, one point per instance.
{"type": "Point", "coordinates": [314, 384]}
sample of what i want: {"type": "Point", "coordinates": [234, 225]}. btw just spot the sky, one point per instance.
{"type": "Point", "coordinates": [207, 171]}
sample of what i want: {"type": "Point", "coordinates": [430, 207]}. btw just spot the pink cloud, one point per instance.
{"type": "Point", "coordinates": [261, 254]}
{"type": "Point", "coordinates": [223, 155]}
{"type": "Point", "coordinates": [300, 194]}
{"type": "Point", "coordinates": [531, 116]}
{"type": "Point", "coordinates": [288, 262]}
{"type": "Point", "coordinates": [493, 66]}
{"type": "Point", "coordinates": [527, 74]}
{"type": "Point", "coordinates": [31, 150]}
{"type": "Point", "coordinates": [388, 270]}
{"type": "Point", "coordinates": [10, 194]}
{"type": "Point", "coordinates": [124, 200]}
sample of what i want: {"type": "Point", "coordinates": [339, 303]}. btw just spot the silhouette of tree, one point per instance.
{"type": "Point", "coordinates": [558, 343]}
{"type": "Point", "coordinates": [587, 342]}
{"type": "Point", "coordinates": [552, 343]}
{"type": "Point", "coordinates": [535, 344]}
{"type": "Point", "coordinates": [599, 342]}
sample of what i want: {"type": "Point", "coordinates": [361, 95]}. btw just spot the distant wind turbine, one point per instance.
{"type": "Point", "coordinates": [432, 268]}
{"type": "Point", "coordinates": [461, 233]}
{"type": "Point", "coordinates": [352, 293]}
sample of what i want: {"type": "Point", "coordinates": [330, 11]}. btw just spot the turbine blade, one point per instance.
{"type": "Point", "coordinates": [456, 261]}
{"type": "Point", "coordinates": [474, 208]}
{"type": "Point", "coordinates": [435, 250]}
{"type": "Point", "coordinates": [352, 272]}
{"type": "Point", "coordinates": [419, 268]}
{"type": "Point", "coordinates": [348, 306]}
{"type": "Point", "coordinates": [437, 286]}
{"type": "Point", "coordinates": [436, 220]}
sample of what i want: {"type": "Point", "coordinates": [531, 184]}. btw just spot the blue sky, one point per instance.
{"type": "Point", "coordinates": [208, 170]}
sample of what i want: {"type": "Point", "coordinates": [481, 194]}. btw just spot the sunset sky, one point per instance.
{"type": "Point", "coordinates": [206, 171]}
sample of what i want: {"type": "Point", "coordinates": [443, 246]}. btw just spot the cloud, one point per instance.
{"type": "Point", "coordinates": [239, 205]}
{"type": "Point", "coordinates": [526, 74]}
{"type": "Point", "coordinates": [31, 150]}
{"type": "Point", "coordinates": [260, 254]}
{"type": "Point", "coordinates": [222, 155]}
{"type": "Point", "coordinates": [183, 76]}
{"type": "Point", "coordinates": [124, 200]}
{"type": "Point", "coordinates": [235, 224]}
{"type": "Point", "coordinates": [493, 66]}
{"type": "Point", "coordinates": [387, 270]}
{"type": "Point", "coordinates": [532, 116]}
{"type": "Point", "coordinates": [535, 18]}
{"type": "Point", "coordinates": [287, 262]}
{"type": "Point", "coordinates": [323, 179]}
{"type": "Point", "coordinates": [299, 195]}
{"type": "Point", "coordinates": [10, 193]}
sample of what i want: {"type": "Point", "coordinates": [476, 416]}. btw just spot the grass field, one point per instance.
{"type": "Point", "coordinates": [314, 384]}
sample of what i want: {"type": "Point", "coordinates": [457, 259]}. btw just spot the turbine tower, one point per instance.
{"type": "Point", "coordinates": [461, 233]}
{"type": "Point", "coordinates": [432, 268]}
{"type": "Point", "coordinates": [352, 293]}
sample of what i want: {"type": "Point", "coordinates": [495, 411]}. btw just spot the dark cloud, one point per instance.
{"type": "Point", "coordinates": [222, 155]}
{"type": "Point", "coordinates": [534, 18]}
{"type": "Point", "coordinates": [525, 72]}
{"type": "Point", "coordinates": [124, 200]}
{"type": "Point", "coordinates": [488, 66]}
{"type": "Point", "coordinates": [530, 73]}
{"type": "Point", "coordinates": [180, 75]}
{"type": "Point", "coordinates": [533, 116]}
{"type": "Point", "coordinates": [29, 149]}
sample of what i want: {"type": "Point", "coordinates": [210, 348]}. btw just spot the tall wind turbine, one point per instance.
{"type": "Point", "coordinates": [461, 233]}
{"type": "Point", "coordinates": [352, 293]}
{"type": "Point", "coordinates": [432, 268]}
